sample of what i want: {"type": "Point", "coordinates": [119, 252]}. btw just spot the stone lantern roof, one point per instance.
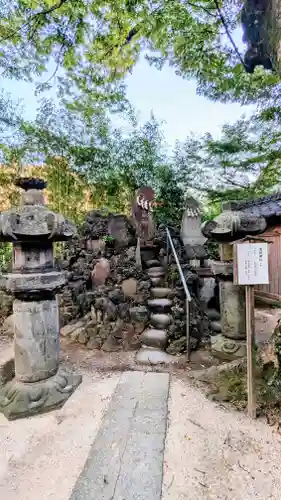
{"type": "Point", "coordinates": [32, 220]}
{"type": "Point", "coordinates": [233, 224]}
{"type": "Point", "coordinates": [267, 206]}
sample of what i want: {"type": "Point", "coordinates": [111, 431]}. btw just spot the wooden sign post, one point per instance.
{"type": "Point", "coordinates": [250, 267]}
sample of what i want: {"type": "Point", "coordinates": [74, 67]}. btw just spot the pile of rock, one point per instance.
{"type": "Point", "coordinates": [105, 303]}
{"type": "Point", "coordinates": [6, 305]}
{"type": "Point", "coordinates": [106, 289]}
{"type": "Point", "coordinates": [199, 326]}
{"type": "Point", "coordinates": [108, 293]}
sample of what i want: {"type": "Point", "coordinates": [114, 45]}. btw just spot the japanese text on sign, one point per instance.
{"type": "Point", "coordinates": [252, 263]}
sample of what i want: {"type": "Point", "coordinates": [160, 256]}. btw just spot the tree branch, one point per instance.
{"type": "Point", "coordinates": [200, 7]}
{"type": "Point", "coordinates": [42, 13]}
{"type": "Point", "coordinates": [224, 23]}
{"type": "Point", "coordinates": [57, 6]}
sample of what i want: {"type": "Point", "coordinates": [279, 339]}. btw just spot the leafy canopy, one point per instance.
{"type": "Point", "coordinates": [90, 45]}
{"type": "Point", "coordinates": [243, 164]}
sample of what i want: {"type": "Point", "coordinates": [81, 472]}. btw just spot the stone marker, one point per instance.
{"type": "Point", "coordinates": [142, 215]}
{"type": "Point", "coordinates": [39, 384]}
{"type": "Point", "coordinates": [142, 210]}
{"type": "Point", "coordinates": [191, 233]}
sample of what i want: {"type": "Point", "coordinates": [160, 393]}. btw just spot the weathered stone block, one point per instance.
{"type": "Point", "coordinates": [228, 349]}
{"type": "Point", "coordinates": [37, 350]}
{"type": "Point", "coordinates": [233, 310]}
{"type": "Point", "coordinates": [67, 330]}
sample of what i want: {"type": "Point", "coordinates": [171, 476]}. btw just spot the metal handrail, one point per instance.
{"type": "Point", "coordinates": [185, 287]}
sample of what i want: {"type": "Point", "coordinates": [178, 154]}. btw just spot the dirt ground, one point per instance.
{"type": "Point", "coordinates": [99, 361]}
{"type": "Point", "coordinates": [41, 457]}
{"type": "Point", "coordinates": [215, 453]}
{"type": "Point", "coordinates": [211, 451]}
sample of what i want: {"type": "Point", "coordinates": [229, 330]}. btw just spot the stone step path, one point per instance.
{"type": "Point", "coordinates": [126, 459]}
{"type": "Point", "coordinates": [160, 293]}
{"type": "Point", "coordinates": [154, 340]}
{"type": "Point", "coordinates": [160, 304]}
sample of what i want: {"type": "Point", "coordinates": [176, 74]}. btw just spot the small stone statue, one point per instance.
{"type": "Point", "coordinates": [229, 226]}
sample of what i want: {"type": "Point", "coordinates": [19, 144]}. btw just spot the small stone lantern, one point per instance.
{"type": "Point", "coordinates": [231, 225]}
{"type": "Point", "coordinates": [40, 384]}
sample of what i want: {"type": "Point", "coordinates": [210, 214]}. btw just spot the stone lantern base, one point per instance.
{"type": "Point", "coordinates": [20, 399]}
{"type": "Point", "coordinates": [228, 349]}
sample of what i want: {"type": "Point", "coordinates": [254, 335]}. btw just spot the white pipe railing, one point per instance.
{"type": "Point", "coordinates": [185, 287]}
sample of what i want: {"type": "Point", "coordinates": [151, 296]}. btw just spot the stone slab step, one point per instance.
{"type": "Point", "coordinates": [157, 280]}
{"type": "Point", "coordinates": [160, 305]}
{"type": "Point", "coordinates": [126, 459]}
{"type": "Point", "coordinates": [153, 263]}
{"type": "Point", "coordinates": [156, 270]}
{"type": "Point", "coordinates": [213, 314]}
{"type": "Point", "coordinates": [161, 292]}
{"type": "Point", "coordinates": [155, 274]}
{"type": "Point", "coordinates": [151, 356]}
{"type": "Point", "coordinates": [216, 326]}
{"type": "Point", "coordinates": [160, 320]}
{"type": "Point", "coordinates": [154, 338]}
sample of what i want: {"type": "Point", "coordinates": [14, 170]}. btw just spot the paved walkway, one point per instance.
{"type": "Point", "coordinates": [126, 459]}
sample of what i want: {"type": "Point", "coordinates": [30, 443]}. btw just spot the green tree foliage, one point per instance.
{"type": "Point", "coordinates": [112, 163]}
{"type": "Point", "coordinates": [244, 163]}
{"type": "Point", "coordinates": [170, 197]}
{"type": "Point", "coordinates": [90, 45]}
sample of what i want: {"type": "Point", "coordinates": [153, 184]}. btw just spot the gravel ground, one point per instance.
{"type": "Point", "coordinates": [216, 454]}
{"type": "Point", "coordinates": [41, 457]}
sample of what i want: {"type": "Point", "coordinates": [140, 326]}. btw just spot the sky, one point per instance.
{"type": "Point", "coordinates": [172, 100]}
{"type": "Point", "coordinates": [175, 101]}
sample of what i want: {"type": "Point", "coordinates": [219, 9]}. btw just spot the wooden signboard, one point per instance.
{"type": "Point", "coordinates": [251, 263]}
{"type": "Point", "coordinates": [250, 268]}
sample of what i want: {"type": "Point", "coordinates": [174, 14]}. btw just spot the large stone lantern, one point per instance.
{"type": "Point", "coordinates": [40, 384]}
{"type": "Point", "coordinates": [231, 225]}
